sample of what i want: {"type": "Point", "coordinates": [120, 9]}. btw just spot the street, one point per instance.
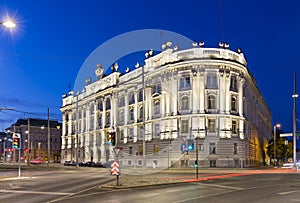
{"type": "Point", "coordinates": [84, 185]}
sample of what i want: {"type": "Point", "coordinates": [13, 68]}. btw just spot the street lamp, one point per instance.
{"type": "Point", "coordinates": [275, 127]}
{"type": "Point", "coordinates": [295, 95]}
{"type": "Point", "coordinates": [8, 24]}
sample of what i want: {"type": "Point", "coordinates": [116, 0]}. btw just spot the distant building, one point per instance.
{"type": "Point", "coordinates": [35, 143]}
{"type": "Point", "coordinates": [180, 103]}
{"type": "Point", "coordinates": [5, 147]}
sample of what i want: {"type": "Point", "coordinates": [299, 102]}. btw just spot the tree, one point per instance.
{"type": "Point", "coordinates": [283, 151]}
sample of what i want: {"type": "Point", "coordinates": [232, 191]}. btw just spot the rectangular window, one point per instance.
{"type": "Point", "coordinates": [211, 81]}
{"type": "Point", "coordinates": [131, 98]}
{"type": "Point", "coordinates": [140, 96]}
{"type": "Point", "coordinates": [212, 148]}
{"type": "Point", "coordinates": [233, 84]}
{"type": "Point", "coordinates": [185, 83]}
{"type": "Point", "coordinates": [122, 101]}
{"type": "Point", "coordinates": [155, 149]}
{"type": "Point", "coordinates": [130, 135]}
{"type": "Point", "coordinates": [211, 125]}
{"type": "Point", "coordinates": [234, 127]}
{"type": "Point", "coordinates": [140, 150]}
{"type": "Point", "coordinates": [184, 126]}
{"type": "Point", "coordinates": [130, 151]}
{"type": "Point", "coordinates": [213, 163]}
{"type": "Point", "coordinates": [121, 116]}
{"type": "Point", "coordinates": [156, 130]}
{"type": "Point", "coordinates": [235, 148]}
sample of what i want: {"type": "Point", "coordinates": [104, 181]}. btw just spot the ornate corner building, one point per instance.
{"type": "Point", "coordinates": [180, 106]}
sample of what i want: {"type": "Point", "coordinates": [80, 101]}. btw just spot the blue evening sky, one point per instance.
{"type": "Point", "coordinates": [40, 59]}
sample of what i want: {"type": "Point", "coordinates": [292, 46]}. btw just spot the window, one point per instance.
{"type": "Point", "coordinates": [141, 114]}
{"type": "Point", "coordinates": [185, 83]}
{"type": "Point", "coordinates": [100, 105]}
{"type": "Point", "coordinates": [233, 84]}
{"type": "Point", "coordinates": [108, 119]}
{"type": "Point", "coordinates": [130, 134]}
{"type": "Point", "coordinates": [213, 163]}
{"type": "Point", "coordinates": [211, 125]}
{"type": "Point", "coordinates": [235, 148]}
{"type": "Point", "coordinates": [156, 130]}
{"type": "Point", "coordinates": [100, 120]}
{"type": "Point", "coordinates": [122, 101]}
{"type": "Point", "coordinates": [155, 149]}
{"type": "Point", "coordinates": [211, 102]}
{"type": "Point", "coordinates": [185, 103]}
{"type": "Point", "coordinates": [121, 116]}
{"type": "Point", "coordinates": [212, 148]}
{"type": "Point", "coordinates": [141, 150]}
{"type": "Point", "coordinates": [131, 98]}
{"type": "Point", "coordinates": [184, 126]}
{"type": "Point", "coordinates": [211, 81]}
{"type": "Point", "coordinates": [156, 107]}
{"type": "Point", "coordinates": [156, 89]}
{"type": "Point", "coordinates": [233, 104]}
{"type": "Point", "coordinates": [140, 96]}
{"type": "Point", "coordinates": [234, 127]}
{"type": "Point", "coordinates": [107, 104]}
{"type": "Point", "coordinates": [131, 114]}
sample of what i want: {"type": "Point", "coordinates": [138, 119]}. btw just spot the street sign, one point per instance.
{"type": "Point", "coordinates": [286, 134]}
{"type": "Point", "coordinates": [114, 168]}
{"type": "Point", "coordinates": [184, 148]}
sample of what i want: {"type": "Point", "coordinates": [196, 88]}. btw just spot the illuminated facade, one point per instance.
{"type": "Point", "coordinates": [179, 102]}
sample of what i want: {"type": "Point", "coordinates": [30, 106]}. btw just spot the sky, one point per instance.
{"type": "Point", "coordinates": [41, 57]}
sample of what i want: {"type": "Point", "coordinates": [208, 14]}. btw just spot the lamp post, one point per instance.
{"type": "Point", "coordinates": [8, 24]}
{"type": "Point", "coordinates": [295, 95]}
{"type": "Point", "coordinates": [275, 127]}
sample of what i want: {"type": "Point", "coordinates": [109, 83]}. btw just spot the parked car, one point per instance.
{"type": "Point", "coordinates": [70, 163]}
{"type": "Point", "coordinates": [99, 165]}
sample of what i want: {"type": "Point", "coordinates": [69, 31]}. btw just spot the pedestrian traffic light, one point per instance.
{"type": "Point", "coordinates": [190, 144]}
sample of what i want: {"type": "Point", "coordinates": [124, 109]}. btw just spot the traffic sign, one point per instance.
{"type": "Point", "coordinates": [114, 168]}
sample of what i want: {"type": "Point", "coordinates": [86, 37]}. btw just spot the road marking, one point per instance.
{"type": "Point", "coordinates": [36, 192]}
{"type": "Point", "coordinates": [223, 186]}
{"type": "Point", "coordinates": [285, 193]}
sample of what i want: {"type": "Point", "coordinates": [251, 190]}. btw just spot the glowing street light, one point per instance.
{"type": "Point", "coordinates": [8, 24]}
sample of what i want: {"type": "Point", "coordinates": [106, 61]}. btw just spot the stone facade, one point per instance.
{"type": "Point", "coordinates": [203, 97]}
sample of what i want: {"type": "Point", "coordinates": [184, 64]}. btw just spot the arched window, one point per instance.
{"type": "Point", "coordinates": [157, 107]}
{"type": "Point", "coordinates": [185, 103]}
{"type": "Point", "coordinates": [233, 104]}
{"type": "Point", "coordinates": [211, 102]}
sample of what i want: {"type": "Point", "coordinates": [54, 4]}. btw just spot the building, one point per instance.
{"type": "Point", "coordinates": [180, 106]}
{"type": "Point", "coordinates": [5, 147]}
{"type": "Point", "coordinates": [34, 138]}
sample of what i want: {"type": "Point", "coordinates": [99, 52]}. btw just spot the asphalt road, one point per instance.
{"type": "Point", "coordinates": [84, 185]}
{"type": "Point", "coordinates": [46, 185]}
{"type": "Point", "coordinates": [265, 188]}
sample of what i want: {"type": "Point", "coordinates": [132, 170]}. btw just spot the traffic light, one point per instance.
{"type": "Point", "coordinates": [196, 163]}
{"type": "Point", "coordinates": [16, 143]}
{"type": "Point", "coordinates": [108, 137]}
{"type": "Point", "coordinates": [113, 138]}
{"type": "Point", "coordinates": [190, 144]}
